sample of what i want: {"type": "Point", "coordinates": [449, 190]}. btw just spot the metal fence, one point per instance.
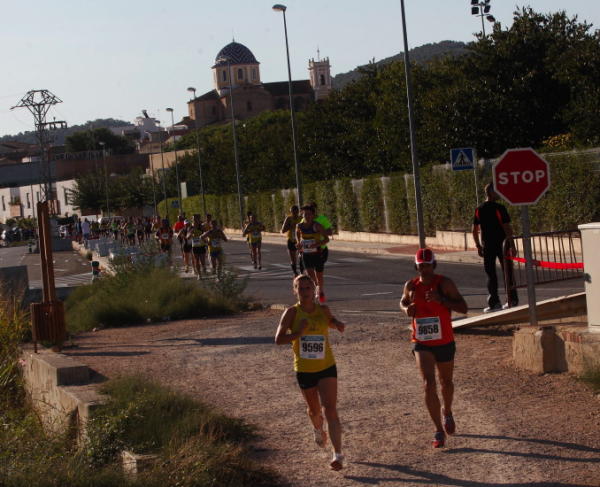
{"type": "Point", "coordinates": [557, 256]}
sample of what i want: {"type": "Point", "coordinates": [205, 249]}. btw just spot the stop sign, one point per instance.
{"type": "Point", "coordinates": [521, 176]}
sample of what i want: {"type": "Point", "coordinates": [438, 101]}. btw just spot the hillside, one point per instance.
{"type": "Point", "coordinates": [420, 54]}
{"type": "Point", "coordinates": [59, 135]}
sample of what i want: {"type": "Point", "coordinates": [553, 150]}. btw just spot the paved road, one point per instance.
{"type": "Point", "coordinates": [359, 283]}
{"type": "Point", "coordinates": [356, 282]}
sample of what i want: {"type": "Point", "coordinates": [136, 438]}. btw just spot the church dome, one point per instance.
{"type": "Point", "coordinates": [236, 53]}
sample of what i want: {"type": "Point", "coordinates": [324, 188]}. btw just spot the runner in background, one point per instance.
{"type": "Point", "coordinates": [289, 227]}
{"type": "Point", "coordinates": [177, 227]}
{"type": "Point", "coordinates": [326, 224]}
{"type": "Point", "coordinates": [164, 235]}
{"type": "Point", "coordinates": [306, 327]}
{"type": "Point", "coordinates": [246, 222]}
{"type": "Point", "coordinates": [253, 232]}
{"type": "Point", "coordinates": [199, 247]}
{"type": "Point", "coordinates": [311, 236]}
{"type": "Point", "coordinates": [429, 300]}
{"type": "Point", "coordinates": [187, 245]}
{"type": "Point", "coordinates": [140, 230]}
{"type": "Point", "coordinates": [215, 238]}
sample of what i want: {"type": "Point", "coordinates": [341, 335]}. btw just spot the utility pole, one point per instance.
{"type": "Point", "coordinates": [38, 102]}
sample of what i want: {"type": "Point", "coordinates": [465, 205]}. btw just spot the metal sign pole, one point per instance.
{"type": "Point", "coordinates": [529, 265]}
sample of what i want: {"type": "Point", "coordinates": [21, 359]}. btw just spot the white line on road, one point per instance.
{"type": "Point", "coordinates": [377, 294]}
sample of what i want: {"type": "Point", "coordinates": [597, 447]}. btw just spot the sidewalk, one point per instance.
{"type": "Point", "coordinates": [400, 250]}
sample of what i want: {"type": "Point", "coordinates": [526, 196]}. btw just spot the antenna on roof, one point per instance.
{"type": "Point", "coordinates": [318, 54]}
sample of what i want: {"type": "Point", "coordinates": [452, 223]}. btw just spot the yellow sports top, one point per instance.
{"type": "Point", "coordinates": [312, 351]}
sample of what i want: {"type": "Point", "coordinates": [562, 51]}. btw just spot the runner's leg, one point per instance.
{"type": "Point", "coordinates": [328, 392]}
{"type": "Point", "coordinates": [445, 373]}
{"type": "Point", "coordinates": [426, 364]}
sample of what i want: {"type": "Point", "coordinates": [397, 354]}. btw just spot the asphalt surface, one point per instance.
{"type": "Point", "coordinates": [359, 278]}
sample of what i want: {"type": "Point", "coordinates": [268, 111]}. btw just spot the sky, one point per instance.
{"type": "Point", "coordinates": [112, 59]}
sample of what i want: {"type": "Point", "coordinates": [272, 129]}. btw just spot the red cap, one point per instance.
{"type": "Point", "coordinates": [424, 256]}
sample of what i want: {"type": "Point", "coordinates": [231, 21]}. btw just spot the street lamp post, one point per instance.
{"type": "Point", "coordinates": [481, 8]}
{"type": "Point", "coordinates": [282, 8]}
{"type": "Point", "coordinates": [191, 89]}
{"type": "Point", "coordinates": [153, 181]}
{"type": "Point", "coordinates": [176, 162]}
{"type": "Point", "coordinates": [413, 144]}
{"type": "Point", "coordinates": [234, 134]}
{"type": "Point", "coordinates": [102, 144]}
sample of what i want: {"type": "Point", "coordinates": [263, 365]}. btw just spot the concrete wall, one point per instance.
{"type": "Point", "coordinates": [61, 390]}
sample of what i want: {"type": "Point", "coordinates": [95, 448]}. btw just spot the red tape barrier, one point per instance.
{"type": "Point", "coordinates": [549, 265]}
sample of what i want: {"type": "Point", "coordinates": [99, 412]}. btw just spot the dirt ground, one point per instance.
{"type": "Point", "coordinates": [514, 428]}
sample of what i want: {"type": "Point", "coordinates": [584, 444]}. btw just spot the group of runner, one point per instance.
{"type": "Point", "coordinates": [428, 299]}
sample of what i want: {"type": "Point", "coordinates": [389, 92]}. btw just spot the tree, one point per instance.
{"type": "Point", "coordinates": [91, 140]}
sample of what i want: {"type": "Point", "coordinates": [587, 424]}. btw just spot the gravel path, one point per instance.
{"type": "Point", "coordinates": [514, 428]}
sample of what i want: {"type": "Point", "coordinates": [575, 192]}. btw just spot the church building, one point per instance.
{"type": "Point", "coordinates": [236, 68]}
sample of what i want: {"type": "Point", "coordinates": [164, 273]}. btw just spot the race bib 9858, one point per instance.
{"type": "Point", "coordinates": [428, 329]}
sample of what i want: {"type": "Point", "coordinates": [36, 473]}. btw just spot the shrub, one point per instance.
{"type": "Point", "coordinates": [327, 202]}
{"type": "Point", "coordinates": [279, 210]}
{"type": "Point", "coordinates": [371, 205]}
{"type": "Point", "coordinates": [148, 294]}
{"type": "Point", "coordinates": [398, 218]}
{"type": "Point", "coordinates": [265, 213]}
{"type": "Point", "coordinates": [349, 219]}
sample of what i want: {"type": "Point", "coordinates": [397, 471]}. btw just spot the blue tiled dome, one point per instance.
{"type": "Point", "coordinates": [236, 53]}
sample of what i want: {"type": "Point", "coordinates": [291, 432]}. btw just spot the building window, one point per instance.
{"type": "Point", "coordinates": [249, 106]}
{"type": "Point", "coordinates": [224, 75]}
{"type": "Point", "coordinates": [37, 196]}
{"type": "Point", "coordinates": [66, 196]}
{"type": "Point", "coordinates": [322, 80]}
{"type": "Point", "coordinates": [240, 73]}
{"type": "Point", "coordinates": [28, 200]}
{"type": "Point", "coordinates": [253, 74]}
{"type": "Point", "coordinates": [3, 204]}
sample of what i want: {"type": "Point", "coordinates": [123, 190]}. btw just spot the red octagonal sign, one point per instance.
{"type": "Point", "coordinates": [521, 176]}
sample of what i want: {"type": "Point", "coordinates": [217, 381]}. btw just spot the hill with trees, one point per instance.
{"type": "Point", "coordinates": [59, 136]}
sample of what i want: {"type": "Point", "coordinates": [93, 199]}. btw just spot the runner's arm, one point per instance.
{"type": "Point", "coordinates": [323, 233]}
{"type": "Point", "coordinates": [475, 232]}
{"type": "Point", "coordinates": [223, 236]}
{"type": "Point", "coordinates": [282, 336]}
{"type": "Point", "coordinates": [286, 225]}
{"type": "Point", "coordinates": [333, 321]}
{"type": "Point", "coordinates": [406, 302]}
{"type": "Point", "coordinates": [450, 297]}
{"type": "Point", "coordinates": [245, 230]}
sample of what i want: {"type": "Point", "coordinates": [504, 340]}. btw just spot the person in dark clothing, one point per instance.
{"type": "Point", "coordinates": [492, 221]}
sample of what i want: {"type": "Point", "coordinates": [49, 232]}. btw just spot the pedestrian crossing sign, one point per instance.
{"type": "Point", "coordinates": [463, 158]}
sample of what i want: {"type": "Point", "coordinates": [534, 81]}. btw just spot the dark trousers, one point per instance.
{"type": "Point", "coordinates": [490, 254]}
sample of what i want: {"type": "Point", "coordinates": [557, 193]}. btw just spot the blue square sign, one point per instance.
{"type": "Point", "coordinates": [462, 158]}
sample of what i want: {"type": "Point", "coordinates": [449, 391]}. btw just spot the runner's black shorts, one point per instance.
{"type": "Point", "coordinates": [442, 353]}
{"type": "Point", "coordinates": [292, 245]}
{"type": "Point", "coordinates": [187, 248]}
{"type": "Point", "coordinates": [199, 250]}
{"type": "Point", "coordinates": [307, 380]}
{"type": "Point", "coordinates": [325, 254]}
{"type": "Point", "coordinates": [313, 261]}
{"type": "Point", "coordinates": [165, 247]}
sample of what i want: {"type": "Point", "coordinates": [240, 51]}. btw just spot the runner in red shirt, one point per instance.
{"type": "Point", "coordinates": [429, 300]}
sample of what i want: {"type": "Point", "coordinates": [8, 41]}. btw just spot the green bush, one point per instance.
{"type": "Point", "coordinates": [327, 202]}
{"type": "Point", "coordinates": [266, 214]}
{"type": "Point", "coordinates": [143, 295]}
{"type": "Point", "coordinates": [436, 200]}
{"type": "Point", "coordinates": [309, 193]}
{"type": "Point", "coordinates": [371, 205]}
{"type": "Point", "coordinates": [349, 219]}
{"type": "Point", "coordinates": [398, 218]}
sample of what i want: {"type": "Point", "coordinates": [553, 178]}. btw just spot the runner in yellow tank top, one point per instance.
{"type": "Point", "coordinates": [306, 327]}
{"type": "Point", "coordinates": [289, 227]}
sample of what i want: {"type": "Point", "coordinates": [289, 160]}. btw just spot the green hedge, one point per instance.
{"type": "Point", "coordinates": [371, 205]}
{"type": "Point", "coordinates": [349, 218]}
{"type": "Point", "coordinates": [448, 200]}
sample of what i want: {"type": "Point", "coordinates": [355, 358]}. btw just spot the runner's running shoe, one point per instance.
{"type": "Point", "coordinates": [439, 439]}
{"type": "Point", "coordinates": [337, 462]}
